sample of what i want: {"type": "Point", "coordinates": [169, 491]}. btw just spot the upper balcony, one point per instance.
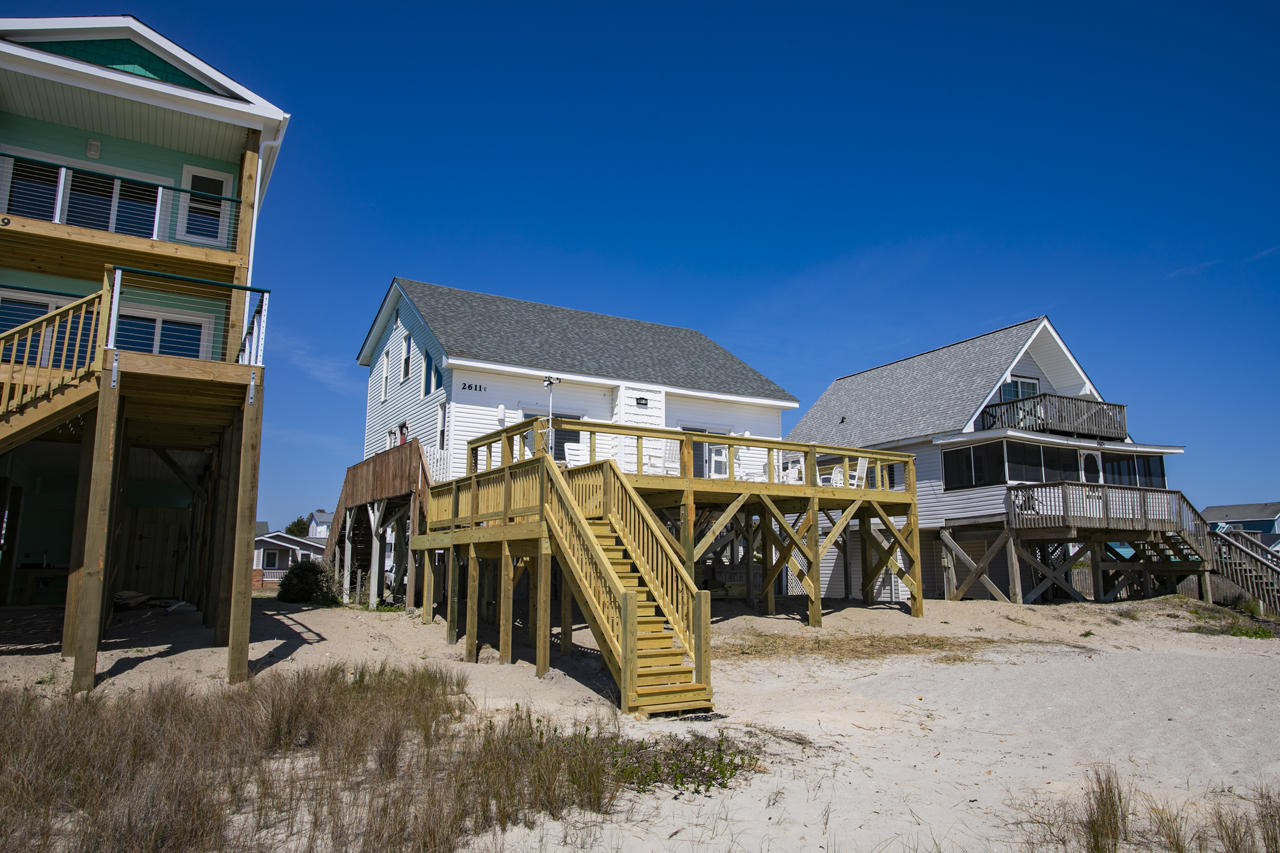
{"type": "Point", "coordinates": [1057, 414]}
{"type": "Point", "coordinates": [193, 231]}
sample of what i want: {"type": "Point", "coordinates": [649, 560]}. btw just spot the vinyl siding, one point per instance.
{"type": "Point", "coordinates": [937, 505]}
{"type": "Point", "coordinates": [405, 402]}
{"type": "Point", "coordinates": [60, 143]}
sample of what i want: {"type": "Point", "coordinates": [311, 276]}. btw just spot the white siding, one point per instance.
{"type": "Point", "coordinates": [405, 402]}
{"type": "Point", "coordinates": [937, 505]}
{"type": "Point", "coordinates": [474, 411]}
{"type": "Point", "coordinates": [731, 419]}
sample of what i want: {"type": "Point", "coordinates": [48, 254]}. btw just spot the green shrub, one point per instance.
{"type": "Point", "coordinates": [308, 582]}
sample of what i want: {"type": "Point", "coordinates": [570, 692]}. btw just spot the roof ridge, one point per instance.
{"type": "Point", "coordinates": [939, 349]}
{"type": "Point", "coordinates": [549, 305]}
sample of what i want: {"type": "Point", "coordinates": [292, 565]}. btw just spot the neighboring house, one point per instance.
{"type": "Point", "coordinates": [318, 523]}
{"type": "Point", "coordinates": [274, 553]}
{"type": "Point", "coordinates": [1261, 519]}
{"type": "Point", "coordinates": [1019, 460]}
{"type": "Point", "coordinates": [447, 366]}
{"type": "Point", "coordinates": [131, 329]}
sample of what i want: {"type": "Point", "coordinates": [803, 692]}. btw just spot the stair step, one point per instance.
{"type": "Point", "coordinates": [672, 692]}
{"type": "Point", "coordinates": [672, 707]}
{"type": "Point", "coordinates": [664, 675]}
{"type": "Point", "coordinates": [669, 656]}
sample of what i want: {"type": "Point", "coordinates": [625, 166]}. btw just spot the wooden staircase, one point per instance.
{"type": "Point", "coordinates": [1250, 565]}
{"type": "Point", "coordinates": [664, 675]}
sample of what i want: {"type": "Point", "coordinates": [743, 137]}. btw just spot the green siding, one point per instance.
{"type": "Point", "coordinates": [122, 55]}
{"type": "Point", "coordinates": [59, 142]}
{"type": "Point", "coordinates": [41, 281]}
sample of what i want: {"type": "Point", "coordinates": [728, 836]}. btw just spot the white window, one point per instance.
{"type": "Point", "coordinates": [269, 559]}
{"type": "Point", "coordinates": [404, 359]}
{"type": "Point", "coordinates": [142, 328]}
{"type": "Point", "coordinates": [440, 426]}
{"type": "Point", "coordinates": [386, 368]}
{"type": "Point", "coordinates": [430, 375]}
{"type": "Point", "coordinates": [390, 439]}
{"type": "Point", "coordinates": [205, 211]}
{"type": "Point", "coordinates": [1019, 387]}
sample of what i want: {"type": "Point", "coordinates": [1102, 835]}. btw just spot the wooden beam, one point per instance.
{"type": "Point", "coordinates": [1015, 570]}
{"type": "Point", "coordinates": [838, 527]}
{"type": "Point", "coordinates": [79, 523]}
{"type": "Point", "coordinates": [977, 571]}
{"type": "Point", "coordinates": [106, 446]}
{"type": "Point", "coordinates": [1052, 576]}
{"type": "Point", "coordinates": [451, 596]}
{"type": "Point", "coordinates": [720, 524]}
{"type": "Point", "coordinates": [542, 646]}
{"type": "Point", "coordinates": [246, 514]}
{"type": "Point", "coordinates": [815, 565]}
{"type": "Point", "coordinates": [506, 603]}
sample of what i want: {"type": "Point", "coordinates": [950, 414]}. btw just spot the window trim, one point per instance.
{"type": "Point", "coordinates": [1019, 379]}
{"type": "Point", "coordinates": [406, 356]}
{"type": "Point", "coordinates": [224, 206]}
{"type": "Point", "coordinates": [1003, 470]}
{"type": "Point", "coordinates": [442, 411]}
{"type": "Point", "coordinates": [386, 368]}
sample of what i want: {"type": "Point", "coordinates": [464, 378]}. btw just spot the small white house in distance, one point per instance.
{"type": "Point", "coordinates": [274, 553]}
{"type": "Point", "coordinates": [447, 366]}
{"type": "Point", "coordinates": [318, 523]}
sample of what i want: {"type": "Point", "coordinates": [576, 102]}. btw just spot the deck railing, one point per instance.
{"type": "Point", "coordinates": [67, 195]}
{"type": "Point", "coordinates": [1058, 414]}
{"type": "Point", "coordinates": [48, 352]}
{"type": "Point", "coordinates": [178, 315]}
{"type": "Point", "coordinates": [1105, 507]}
{"type": "Point", "coordinates": [656, 452]}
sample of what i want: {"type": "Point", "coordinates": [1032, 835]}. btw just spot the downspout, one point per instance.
{"type": "Point", "coordinates": [261, 192]}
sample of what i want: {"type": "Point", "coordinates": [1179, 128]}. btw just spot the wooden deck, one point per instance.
{"type": "Point", "coordinates": [628, 521]}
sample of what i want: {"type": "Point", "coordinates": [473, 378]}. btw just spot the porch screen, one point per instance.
{"type": "Point", "coordinates": [1061, 465]}
{"type": "Point", "coordinates": [1120, 469]}
{"type": "Point", "coordinates": [1025, 464]}
{"type": "Point", "coordinates": [1151, 472]}
{"type": "Point", "coordinates": [970, 467]}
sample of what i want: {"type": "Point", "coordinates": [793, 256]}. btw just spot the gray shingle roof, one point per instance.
{"type": "Point", "coordinates": [1242, 512]}
{"type": "Point", "coordinates": [934, 392]}
{"type": "Point", "coordinates": [545, 337]}
{"type": "Point", "coordinates": [323, 516]}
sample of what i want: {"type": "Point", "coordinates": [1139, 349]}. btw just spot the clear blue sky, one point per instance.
{"type": "Point", "coordinates": [820, 189]}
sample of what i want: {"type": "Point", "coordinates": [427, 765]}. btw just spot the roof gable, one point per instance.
{"type": "Point", "coordinates": [934, 392]}
{"type": "Point", "coordinates": [501, 330]}
{"type": "Point", "coordinates": [122, 54]}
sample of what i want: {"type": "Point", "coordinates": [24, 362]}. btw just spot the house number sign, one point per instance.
{"type": "Point", "coordinates": [472, 386]}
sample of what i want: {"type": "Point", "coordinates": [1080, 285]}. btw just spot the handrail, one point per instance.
{"type": "Point", "coordinates": [663, 571]}
{"type": "Point", "coordinates": [49, 351]}
{"type": "Point", "coordinates": [585, 559]}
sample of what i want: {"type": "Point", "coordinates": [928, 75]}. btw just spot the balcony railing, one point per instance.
{"type": "Point", "coordinates": [1089, 506]}
{"type": "Point", "coordinates": [188, 317]}
{"type": "Point", "coordinates": [71, 196]}
{"type": "Point", "coordinates": [1058, 414]}
{"type": "Point", "coordinates": [654, 452]}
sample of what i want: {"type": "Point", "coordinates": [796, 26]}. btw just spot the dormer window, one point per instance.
{"type": "Point", "coordinates": [1019, 387]}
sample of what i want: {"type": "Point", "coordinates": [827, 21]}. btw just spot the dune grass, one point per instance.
{"type": "Point", "coordinates": [333, 758]}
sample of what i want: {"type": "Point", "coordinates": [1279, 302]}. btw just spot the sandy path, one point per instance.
{"type": "Point", "coordinates": [895, 753]}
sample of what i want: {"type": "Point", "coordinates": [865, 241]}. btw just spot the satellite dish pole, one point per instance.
{"type": "Point", "coordinates": [549, 382]}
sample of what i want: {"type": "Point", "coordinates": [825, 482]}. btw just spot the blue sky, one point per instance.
{"type": "Point", "coordinates": [819, 188]}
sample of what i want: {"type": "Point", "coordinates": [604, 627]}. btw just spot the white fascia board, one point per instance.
{"type": "Point", "coordinates": [254, 115]}
{"type": "Point", "coordinates": [1054, 440]}
{"type": "Point", "coordinates": [126, 26]}
{"type": "Point", "coordinates": [365, 357]}
{"type": "Point", "coordinates": [279, 537]}
{"type": "Point", "coordinates": [496, 367]}
{"type": "Point", "coordinates": [1092, 389]}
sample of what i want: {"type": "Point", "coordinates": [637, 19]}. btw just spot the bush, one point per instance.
{"type": "Point", "coordinates": [308, 582]}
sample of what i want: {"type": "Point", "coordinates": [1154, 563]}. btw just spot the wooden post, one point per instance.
{"type": "Point", "coordinates": [1206, 588]}
{"type": "Point", "coordinates": [428, 587]}
{"type": "Point", "coordinates": [411, 569]}
{"type": "Point", "coordinates": [869, 573]}
{"type": "Point", "coordinates": [106, 446]}
{"type": "Point", "coordinates": [702, 637]}
{"type": "Point", "coordinates": [224, 533]}
{"type": "Point", "coordinates": [451, 595]}
{"type": "Point", "coordinates": [542, 648]}
{"type": "Point", "coordinates": [80, 523]}
{"type": "Point", "coordinates": [766, 546]}
{"type": "Point", "coordinates": [346, 556]}
{"type": "Point", "coordinates": [566, 613]}
{"type": "Point", "coordinates": [1015, 569]}
{"type": "Point", "coordinates": [246, 513]}
{"type": "Point", "coordinates": [1096, 549]}
{"type": "Point", "coordinates": [506, 595]}
{"type": "Point", "coordinates": [948, 570]}
{"type": "Point", "coordinates": [630, 656]}
{"type": "Point", "coordinates": [473, 605]}
{"type": "Point", "coordinates": [913, 540]}
{"type": "Point", "coordinates": [812, 540]}
{"type": "Point", "coordinates": [688, 518]}
{"type": "Point", "coordinates": [378, 549]}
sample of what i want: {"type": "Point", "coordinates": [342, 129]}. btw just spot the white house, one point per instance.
{"type": "Point", "coordinates": [447, 366]}
{"type": "Point", "coordinates": [1017, 454]}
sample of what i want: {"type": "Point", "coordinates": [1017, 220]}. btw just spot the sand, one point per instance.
{"type": "Point", "coordinates": [901, 752]}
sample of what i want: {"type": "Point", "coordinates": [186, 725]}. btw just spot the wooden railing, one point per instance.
{"type": "Point", "coordinates": [649, 451]}
{"type": "Point", "coordinates": [1250, 565]}
{"type": "Point", "coordinates": [51, 351]}
{"type": "Point", "coordinates": [592, 572]}
{"type": "Point", "coordinates": [1105, 507]}
{"type": "Point", "coordinates": [1056, 413]}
